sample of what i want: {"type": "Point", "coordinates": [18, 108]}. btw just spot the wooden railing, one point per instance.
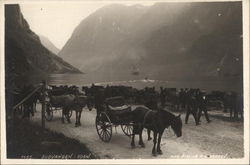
{"type": "Point", "coordinates": [26, 98]}
{"type": "Point", "coordinates": [41, 87]}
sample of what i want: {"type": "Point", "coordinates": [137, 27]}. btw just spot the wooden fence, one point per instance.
{"type": "Point", "coordinates": [42, 88]}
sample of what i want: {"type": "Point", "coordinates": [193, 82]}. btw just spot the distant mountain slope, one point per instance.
{"type": "Point", "coordinates": [48, 44]}
{"type": "Point", "coordinates": [164, 41]}
{"type": "Point", "coordinates": [24, 54]}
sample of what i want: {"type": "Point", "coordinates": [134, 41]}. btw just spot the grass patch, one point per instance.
{"type": "Point", "coordinates": [28, 141]}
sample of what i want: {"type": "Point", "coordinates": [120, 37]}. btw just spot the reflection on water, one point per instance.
{"type": "Point", "coordinates": [85, 80]}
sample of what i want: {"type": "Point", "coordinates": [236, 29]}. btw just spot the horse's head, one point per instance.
{"type": "Point", "coordinates": [176, 125]}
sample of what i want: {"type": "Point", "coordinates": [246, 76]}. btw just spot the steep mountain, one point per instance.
{"type": "Point", "coordinates": [25, 57]}
{"type": "Point", "coordinates": [201, 40]}
{"type": "Point", "coordinates": [48, 44]}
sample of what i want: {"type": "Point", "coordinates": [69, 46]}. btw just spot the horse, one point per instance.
{"type": "Point", "coordinates": [71, 102]}
{"type": "Point", "coordinates": [80, 102]}
{"type": "Point", "coordinates": [98, 95]}
{"type": "Point", "coordinates": [63, 90]}
{"type": "Point", "coordinates": [151, 102]}
{"type": "Point", "coordinates": [156, 121]}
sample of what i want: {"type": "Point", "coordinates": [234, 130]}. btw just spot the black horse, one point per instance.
{"type": "Point", "coordinates": [150, 100]}
{"type": "Point", "coordinates": [156, 121]}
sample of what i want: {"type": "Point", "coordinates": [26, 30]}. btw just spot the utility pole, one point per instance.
{"type": "Point", "coordinates": [44, 84]}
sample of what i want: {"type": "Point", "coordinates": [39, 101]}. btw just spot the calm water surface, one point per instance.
{"type": "Point", "coordinates": [85, 80]}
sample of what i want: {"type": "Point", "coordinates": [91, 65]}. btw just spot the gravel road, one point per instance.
{"type": "Point", "coordinates": [218, 139]}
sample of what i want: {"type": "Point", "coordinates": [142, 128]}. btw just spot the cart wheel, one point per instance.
{"type": "Point", "coordinates": [103, 127]}
{"type": "Point", "coordinates": [49, 113]}
{"type": "Point", "coordinates": [70, 113]}
{"type": "Point", "coordinates": [127, 129]}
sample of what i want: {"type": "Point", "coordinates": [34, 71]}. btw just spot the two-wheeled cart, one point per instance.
{"type": "Point", "coordinates": [115, 113]}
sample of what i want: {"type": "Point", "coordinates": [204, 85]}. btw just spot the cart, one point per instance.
{"type": "Point", "coordinates": [115, 113]}
{"type": "Point", "coordinates": [50, 110]}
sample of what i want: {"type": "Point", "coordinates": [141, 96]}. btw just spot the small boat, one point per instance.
{"type": "Point", "coordinates": [135, 71]}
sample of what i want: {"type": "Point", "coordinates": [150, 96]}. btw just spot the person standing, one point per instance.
{"type": "Point", "coordinates": [162, 97]}
{"type": "Point", "coordinates": [201, 105]}
{"type": "Point", "coordinates": [181, 98]}
{"type": "Point", "coordinates": [191, 107]}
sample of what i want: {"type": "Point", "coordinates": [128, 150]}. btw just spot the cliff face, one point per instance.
{"type": "Point", "coordinates": [164, 41]}
{"type": "Point", "coordinates": [25, 56]}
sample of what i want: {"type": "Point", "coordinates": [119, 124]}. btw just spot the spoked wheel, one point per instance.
{"type": "Point", "coordinates": [127, 129]}
{"type": "Point", "coordinates": [103, 127]}
{"type": "Point", "coordinates": [49, 113]}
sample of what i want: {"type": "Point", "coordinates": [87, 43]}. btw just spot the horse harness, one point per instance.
{"type": "Point", "coordinates": [145, 120]}
{"type": "Point", "coordinates": [145, 116]}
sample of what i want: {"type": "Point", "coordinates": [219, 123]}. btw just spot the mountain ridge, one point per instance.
{"type": "Point", "coordinates": [165, 41]}
{"type": "Point", "coordinates": [26, 59]}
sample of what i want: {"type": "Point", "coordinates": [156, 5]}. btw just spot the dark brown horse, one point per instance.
{"type": "Point", "coordinates": [150, 101]}
{"type": "Point", "coordinates": [156, 121]}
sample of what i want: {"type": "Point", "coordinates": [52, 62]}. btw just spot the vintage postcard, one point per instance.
{"type": "Point", "coordinates": [120, 81]}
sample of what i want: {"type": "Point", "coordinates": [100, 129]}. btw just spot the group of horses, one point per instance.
{"type": "Point", "coordinates": [152, 115]}
{"type": "Point", "coordinates": [179, 100]}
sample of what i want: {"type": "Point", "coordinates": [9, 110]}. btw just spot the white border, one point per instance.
{"type": "Point", "coordinates": [245, 160]}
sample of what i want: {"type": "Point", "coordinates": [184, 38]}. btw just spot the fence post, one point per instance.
{"type": "Point", "coordinates": [44, 84]}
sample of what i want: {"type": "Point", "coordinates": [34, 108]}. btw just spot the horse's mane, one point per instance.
{"type": "Point", "coordinates": [166, 112]}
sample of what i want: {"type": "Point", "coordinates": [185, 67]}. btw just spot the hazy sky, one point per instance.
{"type": "Point", "coordinates": [57, 21]}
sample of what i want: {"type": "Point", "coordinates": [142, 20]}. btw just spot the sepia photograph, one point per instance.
{"type": "Point", "coordinates": [125, 82]}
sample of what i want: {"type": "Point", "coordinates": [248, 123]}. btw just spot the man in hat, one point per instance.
{"type": "Point", "coordinates": [191, 106]}
{"type": "Point", "coordinates": [201, 104]}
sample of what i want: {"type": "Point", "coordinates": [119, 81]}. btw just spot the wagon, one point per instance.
{"type": "Point", "coordinates": [115, 113]}
{"type": "Point", "coordinates": [50, 110]}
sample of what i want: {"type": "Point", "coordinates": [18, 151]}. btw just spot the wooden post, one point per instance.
{"type": "Point", "coordinates": [44, 84]}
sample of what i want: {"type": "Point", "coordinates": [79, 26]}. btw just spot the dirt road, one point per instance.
{"type": "Point", "coordinates": [218, 139]}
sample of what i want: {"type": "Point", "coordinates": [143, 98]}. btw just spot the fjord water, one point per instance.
{"type": "Point", "coordinates": [137, 82]}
